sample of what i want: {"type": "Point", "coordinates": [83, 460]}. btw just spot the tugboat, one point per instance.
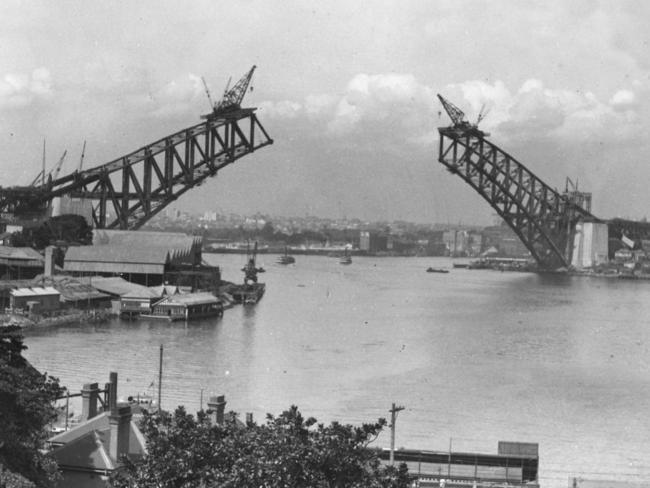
{"type": "Point", "coordinates": [437, 270]}
{"type": "Point", "coordinates": [251, 291]}
{"type": "Point", "coordinates": [285, 258]}
{"type": "Point", "coordinates": [346, 258]}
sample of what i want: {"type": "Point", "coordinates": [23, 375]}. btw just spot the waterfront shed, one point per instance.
{"type": "Point", "coordinates": [35, 299]}
{"type": "Point", "coordinates": [188, 306]}
{"type": "Point", "coordinates": [20, 263]}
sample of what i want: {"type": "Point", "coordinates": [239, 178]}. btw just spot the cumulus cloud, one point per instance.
{"type": "Point", "coordinates": [623, 98]}
{"type": "Point", "coordinates": [393, 105]}
{"type": "Point", "coordinates": [534, 111]}
{"type": "Point", "coordinates": [178, 97]}
{"type": "Point", "coordinates": [20, 90]}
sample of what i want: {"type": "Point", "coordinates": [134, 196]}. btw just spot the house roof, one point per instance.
{"type": "Point", "coordinates": [34, 291]}
{"type": "Point", "coordinates": [87, 445]}
{"type": "Point", "coordinates": [190, 299]}
{"type": "Point", "coordinates": [118, 286]}
{"type": "Point", "coordinates": [24, 256]}
{"type": "Point", "coordinates": [71, 289]}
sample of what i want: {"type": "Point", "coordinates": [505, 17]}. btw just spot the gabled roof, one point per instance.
{"type": "Point", "coordinates": [87, 446]}
{"type": "Point", "coordinates": [181, 246]}
{"type": "Point", "coordinates": [21, 256]}
{"type": "Point", "coordinates": [34, 291]}
{"type": "Point", "coordinates": [19, 253]}
{"type": "Point", "coordinates": [71, 289]}
{"type": "Point", "coordinates": [118, 286]}
{"type": "Point", "coordinates": [190, 299]}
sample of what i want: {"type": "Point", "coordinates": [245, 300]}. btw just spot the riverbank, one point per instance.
{"type": "Point", "coordinates": [66, 317]}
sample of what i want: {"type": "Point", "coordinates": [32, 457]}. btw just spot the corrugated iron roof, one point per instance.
{"type": "Point", "coordinates": [34, 291]}
{"type": "Point", "coordinates": [26, 253]}
{"type": "Point", "coordinates": [71, 289]}
{"type": "Point", "coordinates": [180, 246]}
{"type": "Point", "coordinates": [199, 298]}
{"type": "Point", "coordinates": [120, 287]}
{"type": "Point", "coordinates": [118, 254]}
{"type": "Point", "coordinates": [116, 259]}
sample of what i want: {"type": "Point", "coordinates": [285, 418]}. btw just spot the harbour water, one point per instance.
{"type": "Point", "coordinates": [474, 357]}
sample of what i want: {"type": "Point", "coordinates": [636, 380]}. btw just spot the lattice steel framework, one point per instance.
{"type": "Point", "coordinates": [542, 218]}
{"type": "Point", "coordinates": [127, 192]}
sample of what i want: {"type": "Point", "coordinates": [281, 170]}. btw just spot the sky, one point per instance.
{"type": "Point", "coordinates": [346, 89]}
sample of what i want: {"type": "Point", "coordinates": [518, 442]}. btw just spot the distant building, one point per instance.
{"type": "Point", "coordinates": [373, 242]}
{"type": "Point", "coordinates": [504, 239]}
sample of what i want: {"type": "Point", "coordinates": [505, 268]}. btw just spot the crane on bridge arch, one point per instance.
{"type": "Point", "coordinates": [126, 192]}
{"type": "Point", "coordinates": [541, 217]}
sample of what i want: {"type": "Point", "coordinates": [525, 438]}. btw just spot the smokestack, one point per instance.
{"type": "Point", "coordinates": [120, 428]}
{"type": "Point", "coordinates": [49, 262]}
{"type": "Point", "coordinates": [249, 418]}
{"type": "Point", "coordinates": [112, 393]}
{"type": "Point", "coordinates": [217, 408]}
{"type": "Point", "coordinates": [89, 397]}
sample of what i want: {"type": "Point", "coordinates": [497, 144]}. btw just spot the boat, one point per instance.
{"type": "Point", "coordinates": [248, 294]}
{"type": "Point", "coordinates": [437, 270]}
{"type": "Point", "coordinates": [251, 291]}
{"type": "Point", "coordinates": [346, 258]}
{"type": "Point", "coordinates": [461, 265]}
{"type": "Point", "coordinates": [285, 258]}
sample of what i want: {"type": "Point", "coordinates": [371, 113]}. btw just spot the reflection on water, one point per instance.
{"type": "Point", "coordinates": [474, 356]}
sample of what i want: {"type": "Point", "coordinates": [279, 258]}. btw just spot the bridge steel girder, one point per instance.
{"type": "Point", "coordinates": [541, 217]}
{"type": "Point", "coordinates": [139, 185]}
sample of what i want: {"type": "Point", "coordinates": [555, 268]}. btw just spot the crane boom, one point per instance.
{"type": "Point", "coordinates": [232, 98]}
{"type": "Point", "coordinates": [456, 115]}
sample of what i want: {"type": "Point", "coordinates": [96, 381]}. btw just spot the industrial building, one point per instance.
{"type": "Point", "coordinates": [146, 258]}
{"type": "Point", "coordinates": [19, 263]}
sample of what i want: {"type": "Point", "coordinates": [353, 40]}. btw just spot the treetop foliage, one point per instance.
{"type": "Point", "coordinates": [26, 409]}
{"type": "Point", "coordinates": [286, 451]}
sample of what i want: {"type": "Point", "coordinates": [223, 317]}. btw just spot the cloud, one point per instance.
{"type": "Point", "coordinates": [20, 90]}
{"type": "Point", "coordinates": [534, 111]}
{"type": "Point", "coordinates": [284, 109]}
{"type": "Point", "coordinates": [178, 97]}
{"type": "Point", "coordinates": [623, 98]}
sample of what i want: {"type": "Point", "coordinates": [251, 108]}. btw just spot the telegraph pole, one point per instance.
{"type": "Point", "coordinates": [393, 416]}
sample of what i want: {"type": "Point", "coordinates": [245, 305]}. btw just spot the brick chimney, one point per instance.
{"type": "Point", "coordinates": [89, 397]}
{"type": "Point", "coordinates": [120, 428]}
{"type": "Point", "coordinates": [217, 408]}
{"type": "Point", "coordinates": [112, 392]}
{"type": "Point", "coordinates": [49, 262]}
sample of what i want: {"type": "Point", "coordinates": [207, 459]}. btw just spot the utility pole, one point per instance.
{"type": "Point", "coordinates": [393, 416]}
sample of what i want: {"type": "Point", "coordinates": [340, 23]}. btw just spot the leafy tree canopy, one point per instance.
{"type": "Point", "coordinates": [26, 408]}
{"type": "Point", "coordinates": [67, 229]}
{"type": "Point", "coordinates": [287, 451]}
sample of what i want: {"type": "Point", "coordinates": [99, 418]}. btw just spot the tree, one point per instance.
{"type": "Point", "coordinates": [26, 408]}
{"type": "Point", "coordinates": [287, 451]}
{"type": "Point", "coordinates": [67, 229]}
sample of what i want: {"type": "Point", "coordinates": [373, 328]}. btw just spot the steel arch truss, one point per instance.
{"type": "Point", "coordinates": [127, 192]}
{"type": "Point", "coordinates": [542, 218]}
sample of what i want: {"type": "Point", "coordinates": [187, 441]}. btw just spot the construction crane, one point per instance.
{"type": "Point", "coordinates": [231, 100]}
{"type": "Point", "coordinates": [128, 191]}
{"type": "Point", "coordinates": [53, 174]}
